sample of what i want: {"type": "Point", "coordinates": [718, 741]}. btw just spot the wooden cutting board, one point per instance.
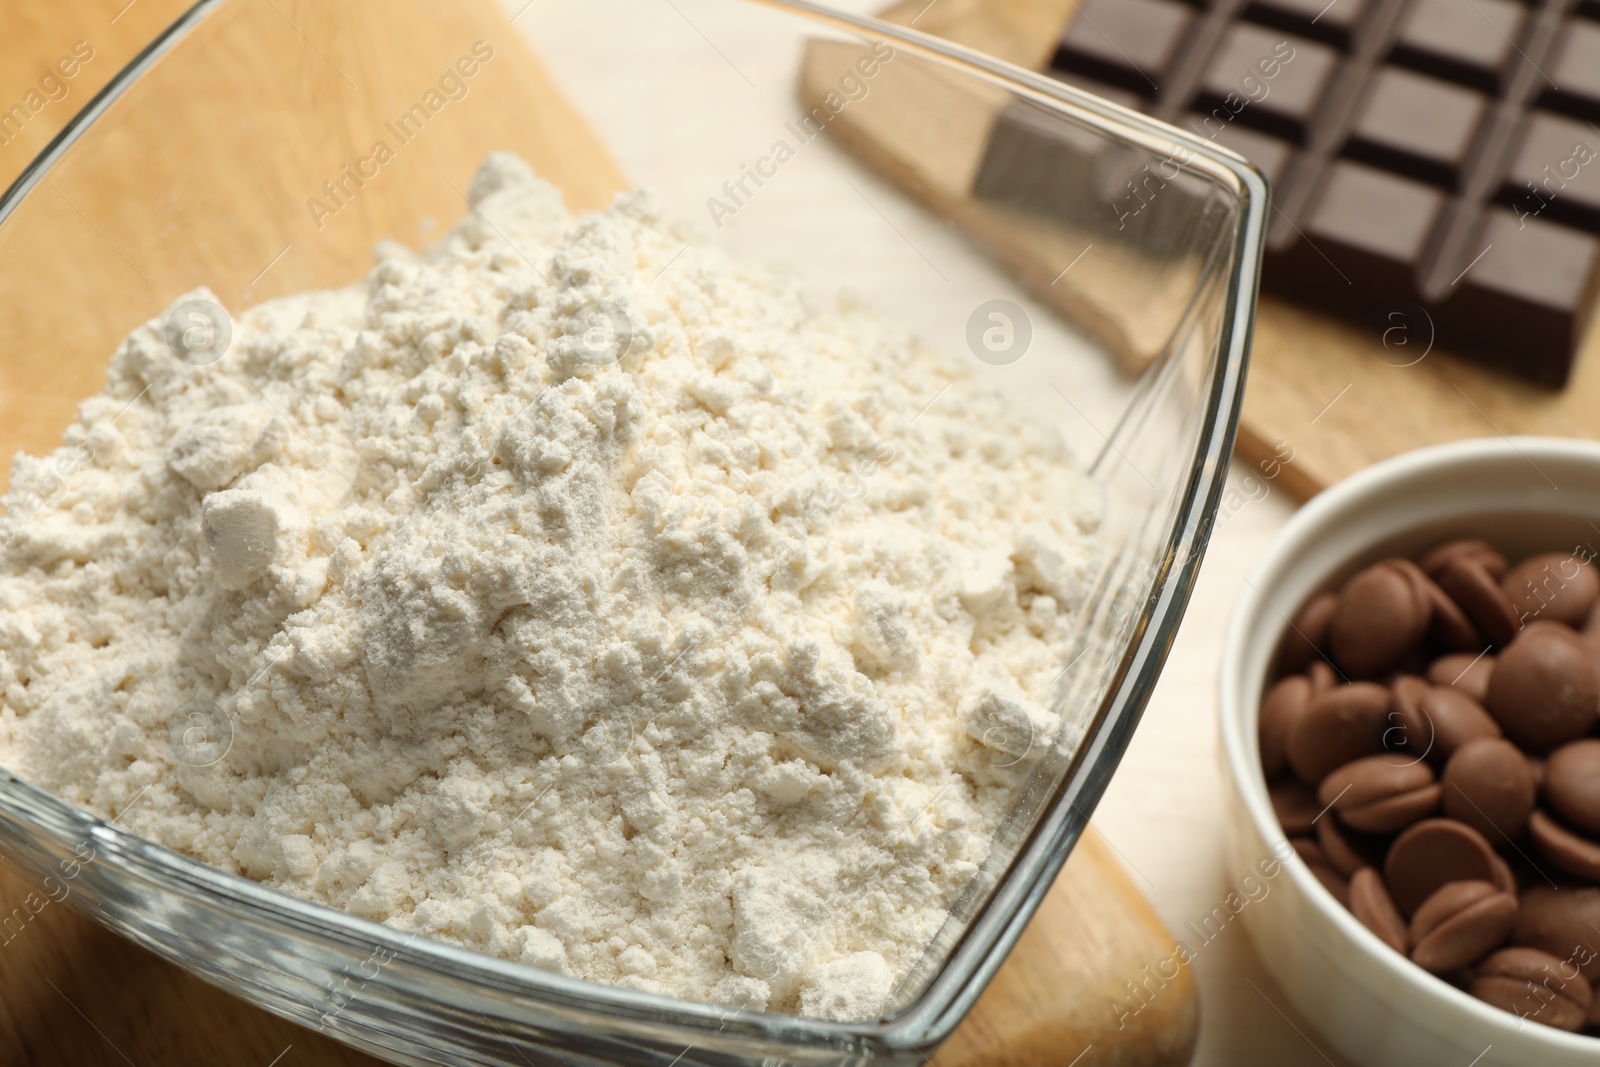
{"type": "Point", "coordinates": [1319, 389]}
{"type": "Point", "coordinates": [73, 992]}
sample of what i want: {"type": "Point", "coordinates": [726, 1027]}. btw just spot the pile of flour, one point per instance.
{"type": "Point", "coordinates": [568, 591]}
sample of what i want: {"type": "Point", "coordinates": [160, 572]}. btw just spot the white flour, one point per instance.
{"type": "Point", "coordinates": [705, 671]}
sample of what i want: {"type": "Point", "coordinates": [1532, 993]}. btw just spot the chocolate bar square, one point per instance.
{"type": "Point", "coordinates": [1576, 72]}
{"type": "Point", "coordinates": [1331, 21]}
{"type": "Point", "coordinates": [1555, 174]}
{"type": "Point", "coordinates": [1532, 288]}
{"type": "Point", "coordinates": [1269, 153]}
{"type": "Point", "coordinates": [1471, 41]}
{"type": "Point", "coordinates": [1416, 125]}
{"type": "Point", "coordinates": [1284, 104]}
{"type": "Point", "coordinates": [1126, 43]}
{"type": "Point", "coordinates": [1403, 138]}
{"type": "Point", "coordinates": [1370, 226]}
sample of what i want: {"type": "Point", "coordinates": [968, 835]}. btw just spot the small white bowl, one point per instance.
{"type": "Point", "coordinates": [1523, 494]}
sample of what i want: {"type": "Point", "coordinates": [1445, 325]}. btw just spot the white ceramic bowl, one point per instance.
{"type": "Point", "coordinates": [1523, 494]}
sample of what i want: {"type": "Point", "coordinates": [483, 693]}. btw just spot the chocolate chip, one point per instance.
{"type": "Point", "coordinates": [1322, 675]}
{"type": "Point", "coordinates": [1480, 597]}
{"type": "Point", "coordinates": [1572, 784]}
{"type": "Point", "coordinates": [1464, 671]}
{"type": "Point", "coordinates": [1447, 901]}
{"type": "Point", "coordinates": [1437, 720]}
{"type": "Point", "coordinates": [1534, 985]}
{"type": "Point", "coordinates": [1591, 625]}
{"type": "Point", "coordinates": [1481, 552]}
{"type": "Point", "coordinates": [1557, 586]}
{"type": "Point", "coordinates": [1573, 853]}
{"type": "Point", "coordinates": [1309, 850]}
{"type": "Point", "coordinates": [1295, 804]}
{"type": "Point", "coordinates": [1453, 630]}
{"type": "Point", "coordinates": [1450, 628]}
{"type": "Point", "coordinates": [1333, 882]}
{"type": "Point", "coordinates": [1459, 923]}
{"type": "Point", "coordinates": [1382, 615]}
{"type": "Point", "coordinates": [1307, 636]}
{"type": "Point", "coordinates": [1489, 786]}
{"type": "Point", "coordinates": [1528, 1000]}
{"type": "Point", "coordinates": [1431, 853]}
{"type": "Point", "coordinates": [1280, 710]}
{"type": "Point", "coordinates": [1548, 626]}
{"type": "Point", "coordinates": [1414, 574]}
{"type": "Point", "coordinates": [1564, 923]}
{"type": "Point", "coordinates": [1381, 794]}
{"type": "Point", "coordinates": [1343, 724]}
{"type": "Point", "coordinates": [1408, 687]}
{"type": "Point", "coordinates": [1346, 851]}
{"type": "Point", "coordinates": [1370, 902]}
{"type": "Point", "coordinates": [1545, 690]}
{"type": "Point", "coordinates": [1503, 876]}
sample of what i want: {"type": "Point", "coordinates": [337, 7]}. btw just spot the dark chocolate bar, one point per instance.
{"type": "Point", "coordinates": [1441, 153]}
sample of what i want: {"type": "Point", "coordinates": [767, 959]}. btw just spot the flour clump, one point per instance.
{"type": "Point", "coordinates": [568, 591]}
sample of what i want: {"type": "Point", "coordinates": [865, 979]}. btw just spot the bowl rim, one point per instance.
{"type": "Point", "coordinates": [1237, 711]}
{"type": "Point", "coordinates": [938, 1008]}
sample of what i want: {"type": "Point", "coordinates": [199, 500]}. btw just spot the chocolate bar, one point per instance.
{"type": "Point", "coordinates": [1436, 154]}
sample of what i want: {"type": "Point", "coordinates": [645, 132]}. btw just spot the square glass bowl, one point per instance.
{"type": "Point", "coordinates": [204, 163]}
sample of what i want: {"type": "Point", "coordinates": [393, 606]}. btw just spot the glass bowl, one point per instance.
{"type": "Point", "coordinates": [201, 163]}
